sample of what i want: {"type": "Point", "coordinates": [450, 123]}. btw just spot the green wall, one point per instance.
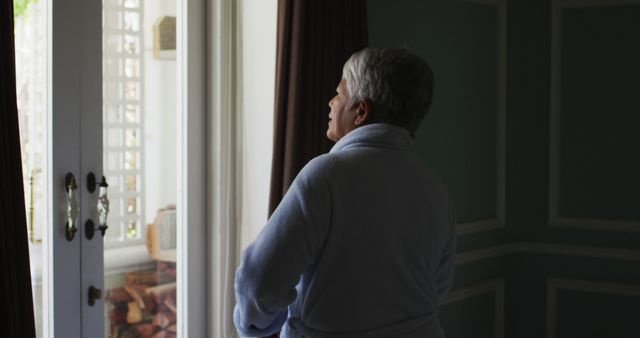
{"type": "Point", "coordinates": [459, 135]}
{"type": "Point", "coordinates": [536, 110]}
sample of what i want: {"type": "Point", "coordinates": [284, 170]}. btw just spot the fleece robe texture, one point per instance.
{"type": "Point", "coordinates": [362, 245]}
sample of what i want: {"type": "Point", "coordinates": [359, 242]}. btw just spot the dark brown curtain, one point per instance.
{"type": "Point", "coordinates": [16, 311]}
{"type": "Point", "coordinates": [315, 38]}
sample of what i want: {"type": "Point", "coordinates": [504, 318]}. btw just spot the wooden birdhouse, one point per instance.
{"type": "Point", "coordinates": [164, 38]}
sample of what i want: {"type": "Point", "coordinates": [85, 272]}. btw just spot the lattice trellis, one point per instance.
{"type": "Point", "coordinates": [123, 127]}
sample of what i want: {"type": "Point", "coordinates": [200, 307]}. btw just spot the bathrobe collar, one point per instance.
{"type": "Point", "coordinates": [379, 135]}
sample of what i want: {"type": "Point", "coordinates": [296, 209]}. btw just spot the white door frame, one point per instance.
{"type": "Point", "coordinates": [61, 271]}
{"type": "Point", "coordinates": [75, 124]}
{"type": "Point", "coordinates": [191, 253]}
{"type": "Point", "coordinates": [89, 41]}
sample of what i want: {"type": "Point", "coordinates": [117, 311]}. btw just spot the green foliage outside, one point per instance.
{"type": "Point", "coordinates": [20, 7]}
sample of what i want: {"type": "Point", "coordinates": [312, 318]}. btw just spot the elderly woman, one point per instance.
{"type": "Point", "coordinates": [362, 244]}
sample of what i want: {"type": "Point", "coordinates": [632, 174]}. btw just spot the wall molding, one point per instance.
{"type": "Point", "coordinates": [472, 256]}
{"type": "Point", "coordinates": [593, 224]}
{"type": "Point", "coordinates": [593, 3]}
{"type": "Point", "coordinates": [555, 284]}
{"type": "Point", "coordinates": [467, 228]}
{"type": "Point", "coordinates": [555, 219]}
{"type": "Point", "coordinates": [501, 117]}
{"type": "Point", "coordinates": [496, 286]}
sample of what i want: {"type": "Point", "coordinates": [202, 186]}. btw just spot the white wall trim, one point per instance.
{"type": "Point", "coordinates": [555, 284]}
{"type": "Point", "coordinates": [481, 226]}
{"type": "Point", "coordinates": [495, 286]}
{"type": "Point", "coordinates": [472, 256]}
{"type": "Point", "coordinates": [192, 244]}
{"type": "Point", "coordinates": [547, 249]}
{"type": "Point", "coordinates": [501, 117]}
{"type": "Point", "coordinates": [580, 251]}
{"type": "Point", "coordinates": [594, 224]}
{"type": "Point", "coordinates": [555, 219]}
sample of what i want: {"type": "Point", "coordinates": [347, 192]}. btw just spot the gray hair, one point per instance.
{"type": "Point", "coordinates": [397, 82]}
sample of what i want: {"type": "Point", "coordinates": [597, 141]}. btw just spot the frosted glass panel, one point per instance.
{"type": "Point", "coordinates": [31, 86]}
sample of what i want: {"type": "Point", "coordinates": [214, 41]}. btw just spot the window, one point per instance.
{"type": "Point", "coordinates": [123, 122]}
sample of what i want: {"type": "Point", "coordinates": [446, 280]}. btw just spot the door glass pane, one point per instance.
{"type": "Point", "coordinates": [140, 120]}
{"type": "Point", "coordinates": [30, 19]}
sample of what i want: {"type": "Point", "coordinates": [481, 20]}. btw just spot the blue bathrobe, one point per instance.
{"type": "Point", "coordinates": [362, 245]}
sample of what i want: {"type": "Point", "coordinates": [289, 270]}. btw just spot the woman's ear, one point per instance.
{"type": "Point", "coordinates": [363, 112]}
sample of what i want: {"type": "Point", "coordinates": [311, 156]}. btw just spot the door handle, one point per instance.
{"type": "Point", "coordinates": [103, 206]}
{"type": "Point", "coordinates": [73, 207]}
{"type": "Point", "coordinates": [32, 206]}
{"type": "Point", "coordinates": [94, 294]}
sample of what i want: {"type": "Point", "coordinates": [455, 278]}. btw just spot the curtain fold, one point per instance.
{"type": "Point", "coordinates": [16, 312]}
{"type": "Point", "coordinates": [315, 38]}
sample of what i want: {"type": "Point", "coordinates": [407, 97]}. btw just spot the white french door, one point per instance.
{"type": "Point", "coordinates": [74, 100]}
{"type": "Point", "coordinates": [120, 89]}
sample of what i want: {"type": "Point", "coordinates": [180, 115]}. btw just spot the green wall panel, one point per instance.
{"type": "Point", "coordinates": [532, 273]}
{"type": "Point", "coordinates": [475, 273]}
{"type": "Point", "coordinates": [470, 317]}
{"type": "Point", "coordinates": [528, 102]}
{"type": "Point", "coordinates": [528, 123]}
{"type": "Point", "coordinates": [483, 239]}
{"type": "Point", "coordinates": [600, 113]}
{"type": "Point", "coordinates": [458, 137]}
{"type": "Point", "coordinates": [580, 314]}
{"type": "Point", "coordinates": [599, 139]}
{"type": "Point", "coordinates": [474, 315]}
